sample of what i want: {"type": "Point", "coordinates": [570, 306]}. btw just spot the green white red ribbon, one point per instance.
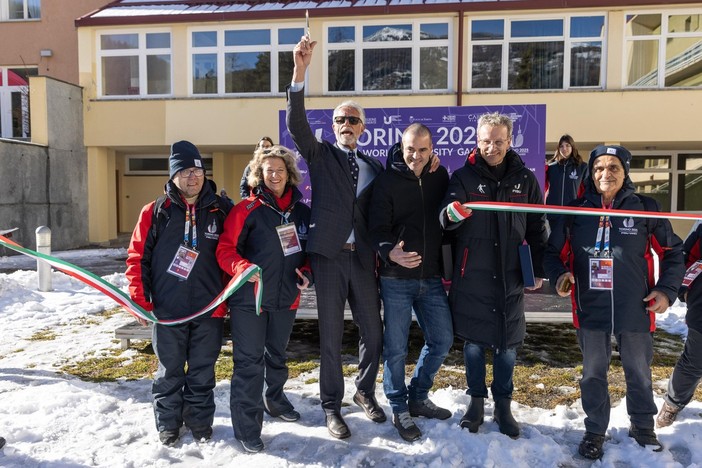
{"type": "Point", "coordinates": [123, 299]}
{"type": "Point", "coordinates": [575, 210]}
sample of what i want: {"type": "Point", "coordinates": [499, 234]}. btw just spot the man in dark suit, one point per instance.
{"type": "Point", "coordinates": [341, 254]}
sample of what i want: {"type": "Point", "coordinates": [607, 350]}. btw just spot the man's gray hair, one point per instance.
{"type": "Point", "coordinates": [495, 119]}
{"type": "Point", "coordinates": [354, 105]}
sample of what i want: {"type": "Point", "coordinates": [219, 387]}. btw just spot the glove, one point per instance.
{"type": "Point", "coordinates": [456, 212]}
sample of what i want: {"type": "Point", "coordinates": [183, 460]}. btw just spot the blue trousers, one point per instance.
{"type": "Point", "coordinates": [502, 371]}
{"type": "Point", "coordinates": [430, 303]}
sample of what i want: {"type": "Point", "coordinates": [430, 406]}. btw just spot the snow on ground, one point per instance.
{"type": "Point", "coordinates": [54, 420]}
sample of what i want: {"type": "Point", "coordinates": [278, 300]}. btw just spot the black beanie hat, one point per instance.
{"type": "Point", "coordinates": [184, 155]}
{"type": "Point", "coordinates": [611, 150]}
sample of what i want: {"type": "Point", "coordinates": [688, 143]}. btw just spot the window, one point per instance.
{"type": "Point", "coordinates": [554, 53]}
{"type": "Point", "coordinates": [674, 179]}
{"type": "Point", "coordinates": [663, 50]}
{"type": "Point", "coordinates": [14, 102]}
{"type": "Point", "coordinates": [404, 56]}
{"type": "Point", "coordinates": [134, 64]}
{"type": "Point", "coordinates": [242, 61]}
{"type": "Point", "coordinates": [11, 10]}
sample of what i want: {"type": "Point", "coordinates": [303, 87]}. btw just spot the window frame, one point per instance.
{"type": "Point", "coordinates": [507, 40]}
{"type": "Point", "coordinates": [661, 38]}
{"type": "Point", "coordinates": [415, 45]}
{"type": "Point", "coordinates": [5, 11]}
{"type": "Point", "coordinates": [220, 49]}
{"type": "Point", "coordinates": [207, 161]}
{"type": "Point", "coordinates": [142, 53]}
{"type": "Point", "coordinates": [6, 109]}
{"type": "Point", "coordinates": [674, 173]}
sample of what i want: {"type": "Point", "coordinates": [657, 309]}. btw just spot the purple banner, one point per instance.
{"type": "Point", "coordinates": [453, 129]}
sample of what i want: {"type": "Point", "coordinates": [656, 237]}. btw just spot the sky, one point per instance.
{"type": "Point", "coordinates": [51, 419]}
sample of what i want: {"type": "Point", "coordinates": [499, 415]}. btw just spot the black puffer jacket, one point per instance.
{"type": "Point", "coordinates": [693, 252]}
{"type": "Point", "coordinates": [403, 202]}
{"type": "Point", "coordinates": [487, 290]}
{"type": "Point", "coordinates": [621, 309]}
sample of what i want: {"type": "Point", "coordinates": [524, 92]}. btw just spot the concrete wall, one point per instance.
{"type": "Point", "coordinates": [46, 185]}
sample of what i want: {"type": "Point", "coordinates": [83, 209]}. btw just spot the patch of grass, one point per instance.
{"type": "Point", "coordinates": [349, 370]}
{"type": "Point", "coordinates": [224, 365]}
{"type": "Point", "coordinates": [311, 381]}
{"type": "Point", "coordinates": [295, 368]}
{"type": "Point", "coordinates": [43, 335]}
{"type": "Point", "coordinates": [111, 368]}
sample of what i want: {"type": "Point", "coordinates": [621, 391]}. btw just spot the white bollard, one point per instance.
{"type": "Point", "coordinates": [43, 235]}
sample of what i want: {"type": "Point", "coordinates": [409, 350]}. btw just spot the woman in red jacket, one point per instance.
{"type": "Point", "coordinates": [268, 229]}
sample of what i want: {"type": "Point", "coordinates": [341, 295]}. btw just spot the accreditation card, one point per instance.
{"type": "Point", "coordinates": [692, 273]}
{"type": "Point", "coordinates": [290, 243]}
{"type": "Point", "coordinates": [601, 273]}
{"type": "Point", "coordinates": [183, 262]}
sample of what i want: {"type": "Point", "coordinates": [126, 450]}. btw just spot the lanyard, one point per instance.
{"type": "Point", "coordinates": [604, 226]}
{"type": "Point", "coordinates": [190, 221]}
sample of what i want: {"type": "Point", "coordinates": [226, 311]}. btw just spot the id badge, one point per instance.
{"type": "Point", "coordinates": [290, 243]}
{"type": "Point", "coordinates": [692, 273]}
{"type": "Point", "coordinates": [601, 273]}
{"type": "Point", "coordinates": [183, 262]}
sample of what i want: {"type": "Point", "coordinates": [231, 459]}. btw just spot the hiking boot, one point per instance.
{"type": "Point", "coordinates": [406, 427]}
{"type": "Point", "coordinates": [289, 416]}
{"type": "Point", "coordinates": [475, 415]}
{"type": "Point", "coordinates": [504, 419]}
{"type": "Point", "coordinates": [645, 438]}
{"type": "Point", "coordinates": [591, 446]}
{"type": "Point", "coordinates": [667, 415]}
{"type": "Point", "coordinates": [252, 446]}
{"type": "Point", "coordinates": [201, 432]}
{"type": "Point", "coordinates": [169, 437]}
{"type": "Point", "coordinates": [428, 409]}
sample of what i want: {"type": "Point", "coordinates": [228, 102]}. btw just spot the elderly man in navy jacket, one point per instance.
{"type": "Point", "coordinates": [606, 264]}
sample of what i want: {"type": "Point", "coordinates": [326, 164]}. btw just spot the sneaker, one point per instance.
{"type": "Point", "coordinates": [591, 446]}
{"type": "Point", "coordinates": [200, 433]}
{"type": "Point", "coordinates": [667, 415]}
{"type": "Point", "coordinates": [406, 427]}
{"type": "Point", "coordinates": [252, 446]}
{"type": "Point", "coordinates": [428, 409]}
{"type": "Point", "coordinates": [645, 438]}
{"type": "Point", "coordinates": [289, 416]}
{"type": "Point", "coordinates": [169, 437]}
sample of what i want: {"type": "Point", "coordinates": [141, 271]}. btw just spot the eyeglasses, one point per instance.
{"type": "Point", "coordinates": [340, 119]}
{"type": "Point", "coordinates": [495, 143]}
{"type": "Point", "coordinates": [185, 173]}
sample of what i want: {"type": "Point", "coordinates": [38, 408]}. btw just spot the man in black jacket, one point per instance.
{"type": "Point", "coordinates": [487, 288]}
{"type": "Point", "coordinates": [406, 233]}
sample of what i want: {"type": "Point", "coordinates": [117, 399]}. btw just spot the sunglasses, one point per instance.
{"type": "Point", "coordinates": [340, 119]}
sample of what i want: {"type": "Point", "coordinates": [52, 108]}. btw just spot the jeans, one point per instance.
{"type": "Point", "coordinates": [430, 303]}
{"type": "Point", "coordinates": [502, 371]}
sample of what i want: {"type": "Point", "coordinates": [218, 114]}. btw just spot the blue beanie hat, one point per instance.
{"type": "Point", "coordinates": [184, 155]}
{"type": "Point", "coordinates": [611, 150]}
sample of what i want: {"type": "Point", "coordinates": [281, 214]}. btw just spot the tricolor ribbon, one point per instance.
{"type": "Point", "coordinates": [123, 299]}
{"type": "Point", "coordinates": [575, 210]}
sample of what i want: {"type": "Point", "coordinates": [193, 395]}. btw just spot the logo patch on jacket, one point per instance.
{"type": "Point", "coordinates": [481, 188]}
{"type": "Point", "coordinates": [628, 228]}
{"type": "Point", "coordinates": [302, 231]}
{"type": "Point", "coordinates": [573, 175]}
{"type": "Point", "coordinates": [211, 231]}
{"type": "Point", "coordinates": [517, 188]}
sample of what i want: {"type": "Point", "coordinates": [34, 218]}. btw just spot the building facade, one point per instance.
{"type": "Point", "coordinates": [623, 72]}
